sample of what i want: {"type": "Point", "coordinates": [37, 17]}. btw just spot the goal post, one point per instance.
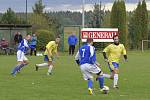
{"type": "Point", "coordinates": [143, 44]}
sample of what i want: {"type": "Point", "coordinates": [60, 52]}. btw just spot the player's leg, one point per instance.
{"type": "Point", "coordinates": [41, 65]}
{"type": "Point", "coordinates": [50, 67]}
{"type": "Point", "coordinates": [94, 69]}
{"type": "Point", "coordinates": [16, 68]}
{"type": "Point", "coordinates": [108, 75]}
{"type": "Point", "coordinates": [115, 73]}
{"type": "Point", "coordinates": [20, 57]}
{"type": "Point", "coordinates": [37, 66]}
{"type": "Point", "coordinates": [100, 78]}
{"type": "Point", "coordinates": [90, 86]}
{"type": "Point", "coordinates": [87, 76]}
{"type": "Point", "coordinates": [116, 77]}
{"type": "Point", "coordinates": [25, 62]}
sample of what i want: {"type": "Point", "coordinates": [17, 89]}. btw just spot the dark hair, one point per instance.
{"type": "Point", "coordinates": [57, 36]}
{"type": "Point", "coordinates": [89, 40]}
{"type": "Point", "coordinates": [115, 36]}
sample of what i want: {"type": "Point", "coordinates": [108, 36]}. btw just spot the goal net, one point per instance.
{"type": "Point", "coordinates": [143, 44]}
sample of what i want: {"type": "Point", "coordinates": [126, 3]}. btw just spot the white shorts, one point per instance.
{"type": "Point", "coordinates": [88, 70]}
{"type": "Point", "coordinates": [21, 56]}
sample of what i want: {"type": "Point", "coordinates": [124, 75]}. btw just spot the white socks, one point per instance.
{"type": "Point", "coordinates": [42, 65]}
{"type": "Point", "coordinates": [115, 79]}
{"type": "Point", "coordinates": [107, 75]}
{"type": "Point", "coordinates": [50, 68]}
{"type": "Point", "coordinates": [45, 65]}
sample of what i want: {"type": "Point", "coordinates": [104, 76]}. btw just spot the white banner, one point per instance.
{"type": "Point", "coordinates": [99, 34]}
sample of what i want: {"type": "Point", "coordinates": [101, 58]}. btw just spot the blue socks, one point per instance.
{"type": "Point", "coordinates": [101, 81]}
{"type": "Point", "coordinates": [90, 83]}
{"type": "Point", "coordinates": [21, 66]}
{"type": "Point", "coordinates": [17, 68]}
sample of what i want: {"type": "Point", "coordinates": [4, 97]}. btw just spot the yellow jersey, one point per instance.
{"type": "Point", "coordinates": [114, 52]}
{"type": "Point", "coordinates": [51, 47]}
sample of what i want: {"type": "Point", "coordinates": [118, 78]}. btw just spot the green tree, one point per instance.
{"type": "Point", "coordinates": [9, 17]}
{"type": "Point", "coordinates": [138, 26]}
{"type": "Point", "coordinates": [38, 7]}
{"type": "Point", "coordinates": [54, 24]}
{"type": "Point", "coordinates": [122, 22]}
{"type": "Point", "coordinates": [41, 20]}
{"type": "Point", "coordinates": [44, 36]}
{"type": "Point", "coordinates": [38, 21]}
{"type": "Point", "coordinates": [106, 21]}
{"type": "Point", "coordinates": [114, 16]}
{"type": "Point", "coordinates": [144, 23]}
{"type": "Point", "coordinates": [118, 20]}
{"type": "Point", "coordinates": [132, 36]}
{"type": "Point", "coordinates": [96, 17]}
{"type": "Point", "coordinates": [96, 21]}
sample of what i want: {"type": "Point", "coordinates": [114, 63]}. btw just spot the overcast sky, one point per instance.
{"type": "Point", "coordinates": [63, 5]}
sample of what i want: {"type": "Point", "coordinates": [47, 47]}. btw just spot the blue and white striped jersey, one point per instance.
{"type": "Point", "coordinates": [23, 46]}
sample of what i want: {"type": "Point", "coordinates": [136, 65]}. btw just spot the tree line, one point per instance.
{"type": "Point", "coordinates": [133, 26]}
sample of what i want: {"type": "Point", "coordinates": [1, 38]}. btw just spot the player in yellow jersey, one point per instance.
{"type": "Point", "coordinates": [112, 54]}
{"type": "Point", "coordinates": [51, 50]}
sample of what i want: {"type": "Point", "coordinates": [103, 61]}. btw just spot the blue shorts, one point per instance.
{"type": "Point", "coordinates": [48, 59]}
{"type": "Point", "coordinates": [113, 65]}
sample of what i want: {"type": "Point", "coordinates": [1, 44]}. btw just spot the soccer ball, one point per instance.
{"type": "Point", "coordinates": [105, 90]}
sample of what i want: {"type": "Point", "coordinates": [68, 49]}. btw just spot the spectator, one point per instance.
{"type": "Point", "coordinates": [4, 45]}
{"type": "Point", "coordinates": [72, 41]}
{"type": "Point", "coordinates": [33, 44]}
{"type": "Point", "coordinates": [17, 38]}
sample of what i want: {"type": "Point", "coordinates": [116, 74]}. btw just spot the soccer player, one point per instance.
{"type": "Point", "coordinates": [51, 49]}
{"type": "Point", "coordinates": [112, 54]}
{"type": "Point", "coordinates": [21, 58]}
{"type": "Point", "coordinates": [86, 58]}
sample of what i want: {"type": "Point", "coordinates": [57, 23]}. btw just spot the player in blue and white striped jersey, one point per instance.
{"type": "Point", "coordinates": [86, 58]}
{"type": "Point", "coordinates": [21, 58]}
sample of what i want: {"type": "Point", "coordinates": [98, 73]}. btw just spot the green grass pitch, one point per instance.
{"type": "Point", "coordinates": [66, 82]}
